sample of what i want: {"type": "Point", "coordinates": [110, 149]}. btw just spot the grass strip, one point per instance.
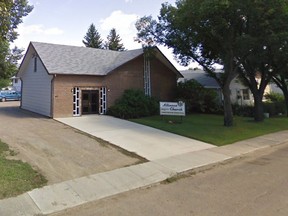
{"type": "Point", "coordinates": [209, 128]}
{"type": "Point", "coordinates": [16, 177]}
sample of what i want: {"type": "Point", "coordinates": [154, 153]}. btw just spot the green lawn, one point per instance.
{"type": "Point", "coordinates": [210, 129]}
{"type": "Point", "coordinates": [16, 176]}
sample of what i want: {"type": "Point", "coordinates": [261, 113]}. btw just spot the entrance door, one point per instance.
{"type": "Point", "coordinates": [90, 102]}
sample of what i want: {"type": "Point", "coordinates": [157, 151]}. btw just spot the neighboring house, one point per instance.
{"type": "Point", "coordinates": [16, 83]}
{"type": "Point", "coordinates": [240, 94]}
{"type": "Point", "coordinates": [201, 77]}
{"type": "Point", "coordinates": [62, 81]}
{"type": "Point", "coordinates": [275, 88]}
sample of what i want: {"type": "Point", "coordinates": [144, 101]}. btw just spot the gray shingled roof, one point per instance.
{"type": "Point", "coordinates": [201, 77]}
{"type": "Point", "coordinates": [63, 59]}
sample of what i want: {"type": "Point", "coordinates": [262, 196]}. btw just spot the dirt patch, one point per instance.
{"type": "Point", "coordinates": [59, 152]}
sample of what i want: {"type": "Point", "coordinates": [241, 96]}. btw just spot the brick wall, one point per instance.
{"type": "Point", "coordinates": [127, 76]}
{"type": "Point", "coordinates": [63, 95]}
{"type": "Point", "coordinates": [130, 75]}
{"type": "Point", "coordinates": [163, 81]}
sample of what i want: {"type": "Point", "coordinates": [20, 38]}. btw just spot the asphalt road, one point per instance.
{"type": "Point", "coordinates": [253, 185]}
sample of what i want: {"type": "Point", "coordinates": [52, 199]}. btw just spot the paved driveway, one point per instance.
{"type": "Point", "coordinates": [147, 142]}
{"type": "Point", "coordinates": [59, 152]}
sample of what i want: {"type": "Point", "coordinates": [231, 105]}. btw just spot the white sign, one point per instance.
{"type": "Point", "coordinates": [172, 108]}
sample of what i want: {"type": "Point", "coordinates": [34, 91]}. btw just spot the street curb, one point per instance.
{"type": "Point", "coordinates": [59, 197]}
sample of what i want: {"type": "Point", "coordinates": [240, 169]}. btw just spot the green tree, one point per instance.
{"type": "Point", "coordinates": [114, 41]}
{"type": "Point", "coordinates": [281, 78]}
{"type": "Point", "coordinates": [9, 60]}
{"type": "Point", "coordinates": [205, 31]}
{"type": "Point", "coordinates": [231, 33]}
{"type": "Point", "coordinates": [13, 58]}
{"type": "Point", "coordinates": [11, 15]}
{"type": "Point", "coordinates": [93, 38]}
{"type": "Point", "coordinates": [281, 81]}
{"type": "Point", "coordinates": [4, 50]}
{"type": "Point", "coordinates": [266, 35]}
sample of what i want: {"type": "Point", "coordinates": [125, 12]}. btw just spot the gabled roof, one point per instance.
{"type": "Point", "coordinates": [63, 59]}
{"type": "Point", "coordinates": [201, 77]}
{"type": "Point", "coordinates": [73, 60]}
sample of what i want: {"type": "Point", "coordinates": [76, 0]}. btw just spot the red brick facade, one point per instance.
{"type": "Point", "coordinates": [128, 76]}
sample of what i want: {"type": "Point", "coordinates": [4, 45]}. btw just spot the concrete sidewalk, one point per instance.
{"type": "Point", "coordinates": [147, 142]}
{"type": "Point", "coordinates": [68, 194]}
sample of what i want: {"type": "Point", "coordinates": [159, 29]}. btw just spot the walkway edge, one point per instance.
{"type": "Point", "coordinates": [68, 194]}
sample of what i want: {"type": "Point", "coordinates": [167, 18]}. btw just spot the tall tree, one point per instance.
{"type": "Point", "coordinates": [114, 41]}
{"type": "Point", "coordinates": [231, 33]}
{"type": "Point", "coordinates": [9, 60]}
{"type": "Point", "coordinates": [93, 38]}
{"type": "Point", "coordinates": [11, 15]}
{"type": "Point", "coordinates": [4, 51]}
{"type": "Point", "coordinates": [204, 31]}
{"type": "Point", "coordinates": [281, 80]}
{"type": "Point", "coordinates": [281, 77]}
{"type": "Point", "coordinates": [12, 59]}
{"type": "Point", "coordinates": [266, 34]}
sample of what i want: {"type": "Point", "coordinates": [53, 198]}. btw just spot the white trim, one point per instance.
{"type": "Point", "coordinates": [76, 101]}
{"type": "Point", "coordinates": [103, 100]}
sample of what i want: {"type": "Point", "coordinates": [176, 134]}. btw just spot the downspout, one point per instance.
{"type": "Point", "coordinates": [21, 92]}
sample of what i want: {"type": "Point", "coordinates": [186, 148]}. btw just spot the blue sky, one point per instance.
{"type": "Point", "coordinates": [67, 21]}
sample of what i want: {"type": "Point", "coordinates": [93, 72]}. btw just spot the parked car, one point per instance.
{"type": "Point", "coordinates": [9, 95]}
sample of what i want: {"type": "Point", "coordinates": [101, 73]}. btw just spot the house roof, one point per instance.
{"type": "Point", "coordinates": [201, 77]}
{"type": "Point", "coordinates": [63, 59]}
{"type": "Point", "coordinates": [73, 60]}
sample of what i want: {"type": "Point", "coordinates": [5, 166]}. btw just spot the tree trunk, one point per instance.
{"type": "Point", "coordinates": [228, 113]}
{"type": "Point", "coordinates": [258, 108]}
{"type": "Point", "coordinates": [285, 92]}
{"type": "Point", "coordinates": [258, 96]}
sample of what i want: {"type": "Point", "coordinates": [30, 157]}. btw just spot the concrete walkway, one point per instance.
{"type": "Point", "coordinates": [146, 142]}
{"type": "Point", "coordinates": [68, 194]}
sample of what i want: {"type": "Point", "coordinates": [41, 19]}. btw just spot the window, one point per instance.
{"type": "Point", "coordinates": [16, 81]}
{"type": "Point", "coordinates": [35, 64]}
{"type": "Point", "coordinates": [245, 94]}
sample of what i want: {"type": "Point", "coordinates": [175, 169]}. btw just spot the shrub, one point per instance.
{"type": "Point", "coordinates": [275, 104]}
{"type": "Point", "coordinates": [134, 104]}
{"type": "Point", "coordinates": [197, 98]}
{"type": "Point", "coordinates": [275, 97]}
{"type": "Point", "coordinates": [243, 110]}
{"type": "Point", "coordinates": [274, 108]}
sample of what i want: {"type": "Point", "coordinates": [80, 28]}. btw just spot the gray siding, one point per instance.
{"type": "Point", "coordinates": [36, 89]}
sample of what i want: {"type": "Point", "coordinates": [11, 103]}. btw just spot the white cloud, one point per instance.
{"type": "Point", "coordinates": [128, 1]}
{"type": "Point", "coordinates": [53, 31]}
{"type": "Point", "coordinates": [124, 25]}
{"type": "Point", "coordinates": [39, 29]}
{"type": "Point", "coordinates": [37, 32]}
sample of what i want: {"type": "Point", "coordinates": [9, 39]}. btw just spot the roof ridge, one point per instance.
{"type": "Point", "coordinates": [84, 47]}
